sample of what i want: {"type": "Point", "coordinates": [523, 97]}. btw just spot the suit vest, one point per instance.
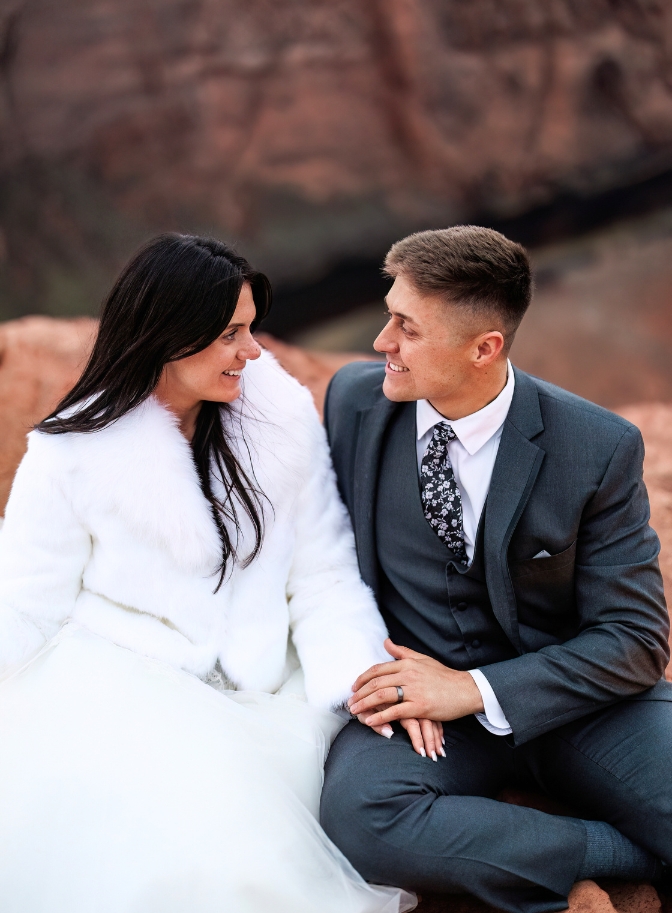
{"type": "Point", "coordinates": [430, 603]}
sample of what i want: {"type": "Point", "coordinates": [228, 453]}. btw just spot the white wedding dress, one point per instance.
{"type": "Point", "coordinates": [129, 786]}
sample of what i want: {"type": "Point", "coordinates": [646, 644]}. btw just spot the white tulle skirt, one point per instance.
{"type": "Point", "coordinates": [129, 787]}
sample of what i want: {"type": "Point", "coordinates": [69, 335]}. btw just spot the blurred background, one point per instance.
{"type": "Point", "coordinates": [314, 133]}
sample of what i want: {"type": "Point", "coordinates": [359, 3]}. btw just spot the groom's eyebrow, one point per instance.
{"type": "Point", "coordinates": [397, 313]}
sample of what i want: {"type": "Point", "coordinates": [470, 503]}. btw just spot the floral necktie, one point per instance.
{"type": "Point", "coordinates": [441, 498]}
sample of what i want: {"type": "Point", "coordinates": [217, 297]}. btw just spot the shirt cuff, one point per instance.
{"type": "Point", "coordinates": [493, 719]}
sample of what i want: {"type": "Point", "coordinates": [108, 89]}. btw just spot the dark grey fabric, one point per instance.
{"type": "Point", "coordinates": [589, 623]}
{"type": "Point", "coordinates": [575, 648]}
{"type": "Point", "coordinates": [405, 820]}
{"type": "Point", "coordinates": [429, 601]}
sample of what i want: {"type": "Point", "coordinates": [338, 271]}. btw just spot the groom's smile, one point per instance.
{"type": "Point", "coordinates": [391, 366]}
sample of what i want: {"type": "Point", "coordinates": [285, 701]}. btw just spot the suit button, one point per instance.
{"type": "Point", "coordinates": [476, 644]}
{"type": "Point", "coordinates": [461, 606]}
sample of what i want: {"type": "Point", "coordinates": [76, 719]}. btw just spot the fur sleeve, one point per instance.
{"type": "Point", "coordinates": [43, 551]}
{"type": "Point", "coordinates": [336, 625]}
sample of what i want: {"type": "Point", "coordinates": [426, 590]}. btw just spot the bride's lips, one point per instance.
{"type": "Point", "coordinates": [233, 374]}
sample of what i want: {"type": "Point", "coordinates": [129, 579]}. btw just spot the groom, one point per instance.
{"type": "Point", "coordinates": [503, 525]}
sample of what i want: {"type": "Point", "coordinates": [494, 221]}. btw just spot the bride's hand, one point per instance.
{"type": "Point", "coordinates": [426, 735]}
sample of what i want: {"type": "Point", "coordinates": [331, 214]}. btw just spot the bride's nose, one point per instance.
{"type": "Point", "coordinates": [252, 350]}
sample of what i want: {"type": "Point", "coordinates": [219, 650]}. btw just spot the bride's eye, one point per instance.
{"type": "Point", "coordinates": [230, 335]}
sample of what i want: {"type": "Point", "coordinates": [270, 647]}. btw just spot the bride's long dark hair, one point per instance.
{"type": "Point", "coordinates": [173, 299]}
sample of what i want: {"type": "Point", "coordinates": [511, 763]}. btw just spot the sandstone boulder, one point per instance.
{"type": "Point", "coordinates": [655, 422]}
{"type": "Point", "coordinates": [40, 360]}
{"type": "Point", "coordinates": [311, 131]}
{"type": "Point", "coordinates": [585, 897]}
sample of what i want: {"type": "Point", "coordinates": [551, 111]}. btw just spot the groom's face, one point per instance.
{"type": "Point", "coordinates": [429, 345]}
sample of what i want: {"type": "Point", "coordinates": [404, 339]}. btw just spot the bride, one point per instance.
{"type": "Point", "coordinates": [180, 615]}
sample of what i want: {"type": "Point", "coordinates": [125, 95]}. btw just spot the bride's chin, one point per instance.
{"type": "Point", "coordinates": [226, 392]}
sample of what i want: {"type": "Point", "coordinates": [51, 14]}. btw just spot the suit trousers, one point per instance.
{"type": "Point", "coordinates": [436, 826]}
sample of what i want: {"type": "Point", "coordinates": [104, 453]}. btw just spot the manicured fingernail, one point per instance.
{"type": "Point", "coordinates": [368, 720]}
{"type": "Point", "coordinates": [434, 758]}
{"type": "Point", "coordinates": [442, 752]}
{"type": "Point", "coordinates": [423, 753]}
{"type": "Point", "coordinates": [387, 731]}
{"type": "Point", "coordinates": [443, 741]}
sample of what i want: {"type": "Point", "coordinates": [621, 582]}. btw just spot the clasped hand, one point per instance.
{"type": "Point", "coordinates": [433, 693]}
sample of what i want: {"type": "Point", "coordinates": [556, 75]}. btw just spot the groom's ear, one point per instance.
{"type": "Point", "coordinates": [487, 348]}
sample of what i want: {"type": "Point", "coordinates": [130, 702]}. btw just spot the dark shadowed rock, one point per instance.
{"type": "Point", "coordinates": [309, 130]}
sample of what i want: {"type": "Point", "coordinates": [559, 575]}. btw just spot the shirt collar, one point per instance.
{"type": "Point", "coordinates": [475, 430]}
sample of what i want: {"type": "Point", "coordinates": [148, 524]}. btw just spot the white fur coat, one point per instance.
{"type": "Point", "coordinates": [111, 530]}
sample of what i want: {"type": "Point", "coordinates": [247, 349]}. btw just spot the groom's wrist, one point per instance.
{"type": "Point", "coordinates": [473, 695]}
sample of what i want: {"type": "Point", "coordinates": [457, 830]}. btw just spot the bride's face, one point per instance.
{"type": "Point", "coordinates": [214, 374]}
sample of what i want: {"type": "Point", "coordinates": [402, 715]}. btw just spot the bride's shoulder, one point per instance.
{"type": "Point", "coordinates": [126, 443]}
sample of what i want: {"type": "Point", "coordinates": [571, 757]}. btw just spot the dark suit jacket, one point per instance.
{"type": "Point", "coordinates": [589, 623]}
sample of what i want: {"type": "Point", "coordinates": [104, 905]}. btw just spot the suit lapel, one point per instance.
{"type": "Point", "coordinates": [516, 467]}
{"type": "Point", "coordinates": [371, 427]}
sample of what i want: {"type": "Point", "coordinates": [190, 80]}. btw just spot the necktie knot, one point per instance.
{"type": "Point", "coordinates": [444, 432]}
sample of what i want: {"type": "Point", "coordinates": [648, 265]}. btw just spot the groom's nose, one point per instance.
{"type": "Point", "coordinates": [383, 343]}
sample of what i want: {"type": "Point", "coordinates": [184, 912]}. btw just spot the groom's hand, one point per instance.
{"type": "Point", "coordinates": [432, 691]}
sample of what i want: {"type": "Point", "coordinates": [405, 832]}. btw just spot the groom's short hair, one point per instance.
{"type": "Point", "coordinates": [475, 268]}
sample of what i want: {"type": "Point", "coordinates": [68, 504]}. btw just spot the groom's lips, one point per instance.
{"type": "Point", "coordinates": [394, 369]}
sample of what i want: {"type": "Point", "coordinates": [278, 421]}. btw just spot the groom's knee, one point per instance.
{"type": "Point", "coordinates": [373, 794]}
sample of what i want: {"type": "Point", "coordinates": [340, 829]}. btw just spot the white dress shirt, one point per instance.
{"type": "Point", "coordinates": [472, 455]}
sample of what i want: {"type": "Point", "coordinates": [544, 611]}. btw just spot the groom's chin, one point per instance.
{"type": "Point", "coordinates": [397, 392]}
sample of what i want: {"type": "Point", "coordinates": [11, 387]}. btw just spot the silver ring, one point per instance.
{"type": "Point", "coordinates": [400, 694]}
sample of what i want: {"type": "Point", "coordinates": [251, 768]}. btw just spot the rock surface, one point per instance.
{"type": "Point", "coordinates": [599, 324]}
{"type": "Point", "coordinates": [585, 897]}
{"type": "Point", "coordinates": [655, 422]}
{"type": "Point", "coordinates": [309, 130]}
{"type": "Point", "coordinates": [40, 358]}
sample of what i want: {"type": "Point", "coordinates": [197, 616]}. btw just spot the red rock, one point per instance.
{"type": "Point", "coordinates": [655, 422]}
{"type": "Point", "coordinates": [585, 897]}
{"type": "Point", "coordinates": [588, 897]}
{"type": "Point", "coordinates": [40, 360]}
{"type": "Point", "coordinates": [312, 130]}
{"type": "Point", "coordinates": [313, 369]}
{"type": "Point", "coordinates": [631, 897]}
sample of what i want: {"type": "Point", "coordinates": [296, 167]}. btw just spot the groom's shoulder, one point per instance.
{"type": "Point", "coordinates": [566, 412]}
{"type": "Point", "coordinates": [356, 386]}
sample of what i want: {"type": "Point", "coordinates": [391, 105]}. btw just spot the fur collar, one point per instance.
{"type": "Point", "coordinates": [141, 468]}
